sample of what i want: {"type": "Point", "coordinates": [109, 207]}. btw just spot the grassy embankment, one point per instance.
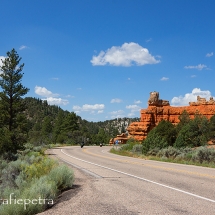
{"type": "Point", "coordinates": [201, 156]}
{"type": "Point", "coordinates": [32, 182]}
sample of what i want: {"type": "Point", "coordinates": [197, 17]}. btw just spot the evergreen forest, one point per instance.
{"type": "Point", "coordinates": [49, 124]}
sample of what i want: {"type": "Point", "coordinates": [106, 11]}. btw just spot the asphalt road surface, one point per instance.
{"type": "Point", "coordinates": [130, 186]}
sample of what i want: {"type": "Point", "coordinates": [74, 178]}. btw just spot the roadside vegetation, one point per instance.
{"type": "Point", "coordinates": [34, 179]}
{"type": "Point", "coordinates": [185, 143]}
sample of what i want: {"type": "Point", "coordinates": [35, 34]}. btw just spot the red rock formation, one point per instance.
{"type": "Point", "coordinates": [159, 110]}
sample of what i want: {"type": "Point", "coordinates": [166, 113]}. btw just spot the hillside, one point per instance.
{"type": "Point", "coordinates": [51, 124]}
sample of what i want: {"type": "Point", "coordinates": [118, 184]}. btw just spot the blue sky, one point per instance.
{"type": "Point", "coordinates": [101, 59]}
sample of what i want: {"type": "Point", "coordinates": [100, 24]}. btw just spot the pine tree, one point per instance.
{"type": "Point", "coordinates": [57, 130]}
{"type": "Point", "coordinates": [193, 134]}
{"type": "Point", "coordinates": [11, 104]}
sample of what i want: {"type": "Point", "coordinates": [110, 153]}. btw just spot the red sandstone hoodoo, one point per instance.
{"type": "Point", "coordinates": [159, 110]}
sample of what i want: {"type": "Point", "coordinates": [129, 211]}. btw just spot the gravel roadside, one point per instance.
{"type": "Point", "coordinates": [87, 197]}
{"type": "Point", "coordinates": [71, 201]}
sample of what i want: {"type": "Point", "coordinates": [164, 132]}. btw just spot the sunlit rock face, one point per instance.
{"type": "Point", "coordinates": [159, 110]}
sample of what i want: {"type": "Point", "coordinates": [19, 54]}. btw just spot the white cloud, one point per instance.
{"type": "Point", "coordinates": [99, 108]}
{"type": "Point", "coordinates": [131, 115]}
{"type": "Point", "coordinates": [116, 100]}
{"type": "Point", "coordinates": [164, 79]}
{"type": "Point", "coordinates": [209, 54]}
{"type": "Point", "coordinates": [133, 108]}
{"type": "Point", "coordinates": [190, 97]}
{"type": "Point", "coordinates": [50, 97]}
{"type": "Point", "coordinates": [117, 114]}
{"type": "Point", "coordinates": [23, 47]}
{"type": "Point", "coordinates": [199, 67]}
{"type": "Point", "coordinates": [77, 109]}
{"type": "Point", "coordinates": [56, 79]}
{"type": "Point", "coordinates": [56, 101]}
{"type": "Point", "coordinates": [149, 40]}
{"type": "Point", "coordinates": [126, 55]}
{"type": "Point", "coordinates": [1, 58]}
{"type": "Point", "coordinates": [87, 107]}
{"type": "Point", "coordinates": [193, 76]}
{"type": "Point", "coordinates": [69, 96]}
{"type": "Point", "coordinates": [137, 102]}
{"type": "Point", "coordinates": [42, 91]}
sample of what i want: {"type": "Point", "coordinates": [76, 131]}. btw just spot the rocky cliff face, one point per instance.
{"type": "Point", "coordinates": [159, 110]}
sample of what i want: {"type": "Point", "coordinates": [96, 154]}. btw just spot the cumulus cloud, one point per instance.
{"type": "Point", "coordinates": [42, 91]}
{"type": "Point", "coordinates": [190, 97]}
{"type": "Point", "coordinates": [199, 67]}
{"type": "Point", "coordinates": [131, 115]}
{"type": "Point", "coordinates": [116, 100]}
{"type": "Point", "coordinates": [209, 54]}
{"type": "Point", "coordinates": [164, 79]}
{"type": "Point", "coordinates": [56, 101]}
{"type": "Point", "coordinates": [96, 108]}
{"type": "Point", "coordinates": [137, 102]}
{"type": "Point", "coordinates": [133, 108]}
{"type": "Point", "coordinates": [117, 114]}
{"type": "Point", "coordinates": [23, 47]}
{"type": "Point", "coordinates": [50, 97]}
{"type": "Point", "coordinates": [126, 55]}
{"type": "Point", "coordinates": [70, 96]}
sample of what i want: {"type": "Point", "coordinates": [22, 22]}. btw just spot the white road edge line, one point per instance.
{"type": "Point", "coordinates": [78, 167]}
{"type": "Point", "coordinates": [143, 179]}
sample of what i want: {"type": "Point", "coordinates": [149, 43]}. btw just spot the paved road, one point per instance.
{"type": "Point", "coordinates": [124, 185]}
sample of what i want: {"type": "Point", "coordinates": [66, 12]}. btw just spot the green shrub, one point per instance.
{"type": "Point", "coordinates": [10, 173]}
{"type": "Point", "coordinates": [204, 154]}
{"type": "Point", "coordinates": [10, 209]}
{"type": "Point", "coordinates": [38, 169]}
{"type": "Point", "coordinates": [126, 147]}
{"type": "Point", "coordinates": [32, 176]}
{"type": "Point", "coordinates": [43, 190]}
{"type": "Point", "coordinates": [63, 176]}
{"type": "Point", "coordinates": [153, 141]}
{"type": "Point", "coordinates": [188, 156]}
{"type": "Point", "coordinates": [169, 152]}
{"type": "Point", "coordinates": [137, 148]}
{"type": "Point", "coordinates": [193, 134]}
{"type": "Point", "coordinates": [162, 136]}
{"type": "Point", "coordinates": [153, 152]}
{"type": "Point", "coordinates": [129, 145]}
{"type": "Point", "coordinates": [3, 164]}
